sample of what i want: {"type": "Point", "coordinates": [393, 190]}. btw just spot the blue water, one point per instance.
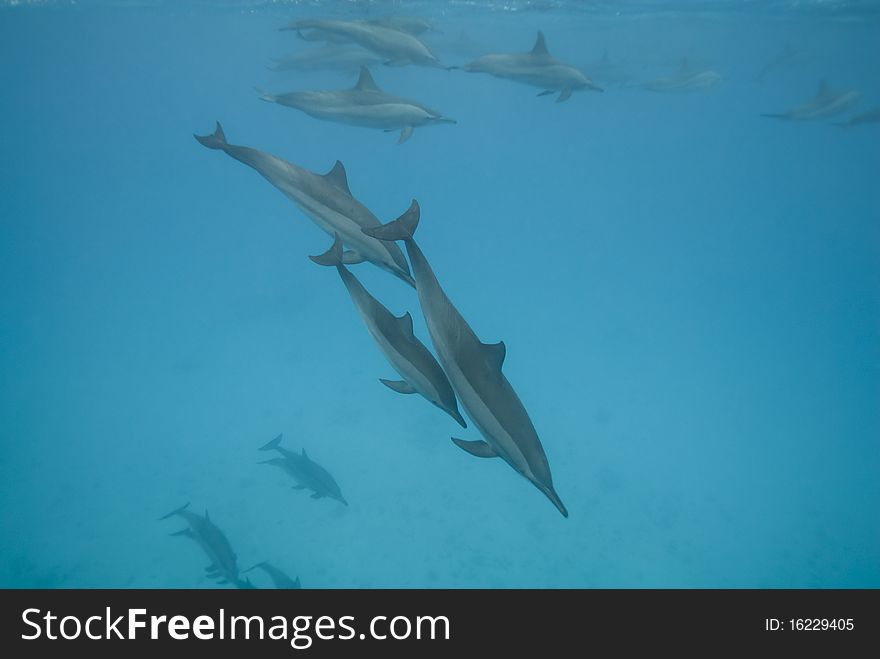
{"type": "Point", "coordinates": [689, 294]}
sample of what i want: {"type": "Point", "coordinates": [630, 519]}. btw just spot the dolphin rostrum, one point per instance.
{"type": "Point", "coordinates": [474, 370]}
{"type": "Point", "coordinates": [827, 102]}
{"type": "Point", "coordinates": [362, 105]}
{"type": "Point", "coordinates": [325, 199]}
{"type": "Point", "coordinates": [408, 356]}
{"type": "Point", "coordinates": [279, 579]}
{"type": "Point", "coordinates": [397, 47]}
{"type": "Point", "coordinates": [868, 117]}
{"type": "Point", "coordinates": [308, 474]}
{"type": "Point", "coordinates": [537, 68]}
{"type": "Point", "coordinates": [213, 542]}
{"type": "Point", "coordinates": [685, 80]}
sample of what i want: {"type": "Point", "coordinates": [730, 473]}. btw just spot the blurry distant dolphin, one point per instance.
{"type": "Point", "coordinates": [474, 369]}
{"type": "Point", "coordinates": [325, 199]}
{"type": "Point", "coordinates": [869, 117]}
{"type": "Point", "coordinates": [826, 103]}
{"type": "Point", "coordinates": [308, 474]}
{"type": "Point", "coordinates": [213, 542]}
{"type": "Point", "coordinates": [279, 579]}
{"type": "Point", "coordinates": [362, 105]}
{"type": "Point", "coordinates": [607, 70]}
{"type": "Point", "coordinates": [398, 48]}
{"type": "Point", "coordinates": [686, 80]}
{"type": "Point", "coordinates": [408, 356]}
{"type": "Point", "coordinates": [329, 58]}
{"type": "Point", "coordinates": [537, 68]}
{"type": "Point", "coordinates": [410, 24]}
{"type": "Point", "coordinates": [782, 58]}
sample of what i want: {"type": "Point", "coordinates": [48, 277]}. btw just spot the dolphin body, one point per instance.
{"type": "Point", "coordinates": [325, 199]}
{"type": "Point", "coordinates": [362, 105]}
{"type": "Point", "coordinates": [537, 68]}
{"type": "Point", "coordinates": [474, 370]}
{"type": "Point", "coordinates": [397, 47]}
{"type": "Point", "coordinates": [826, 103]}
{"type": "Point", "coordinates": [213, 542]}
{"type": "Point", "coordinates": [408, 356]}
{"type": "Point", "coordinates": [348, 59]}
{"type": "Point", "coordinates": [410, 24]}
{"type": "Point", "coordinates": [686, 80]}
{"type": "Point", "coordinates": [308, 474]}
{"type": "Point", "coordinates": [279, 579]}
{"type": "Point", "coordinates": [868, 117]}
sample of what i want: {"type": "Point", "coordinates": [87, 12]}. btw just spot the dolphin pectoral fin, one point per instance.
{"type": "Point", "coordinates": [351, 257]}
{"type": "Point", "coordinates": [317, 495]}
{"type": "Point", "coordinates": [405, 134]}
{"type": "Point", "coordinates": [564, 95]}
{"type": "Point", "coordinates": [176, 511]}
{"type": "Point", "coordinates": [187, 533]}
{"type": "Point", "coordinates": [478, 448]}
{"type": "Point", "coordinates": [400, 386]}
{"type": "Point", "coordinates": [546, 92]}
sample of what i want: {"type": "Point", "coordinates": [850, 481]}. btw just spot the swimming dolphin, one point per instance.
{"type": "Point", "coordinates": [868, 117]}
{"type": "Point", "coordinates": [325, 199]}
{"type": "Point", "coordinates": [537, 68]}
{"type": "Point", "coordinates": [474, 370]}
{"type": "Point", "coordinates": [308, 474]}
{"type": "Point", "coordinates": [408, 356]}
{"type": "Point", "coordinates": [398, 48]}
{"type": "Point", "coordinates": [362, 105]}
{"type": "Point", "coordinates": [826, 103]}
{"type": "Point", "coordinates": [686, 80]}
{"type": "Point", "coordinates": [348, 59]}
{"type": "Point", "coordinates": [279, 579]}
{"type": "Point", "coordinates": [410, 24]}
{"type": "Point", "coordinates": [213, 542]}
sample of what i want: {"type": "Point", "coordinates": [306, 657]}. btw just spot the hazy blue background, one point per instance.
{"type": "Point", "coordinates": [689, 294]}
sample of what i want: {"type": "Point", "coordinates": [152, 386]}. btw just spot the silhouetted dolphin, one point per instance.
{"type": "Point", "coordinates": [308, 474]}
{"type": "Point", "coordinates": [362, 105]}
{"type": "Point", "coordinates": [869, 117]}
{"type": "Point", "coordinates": [826, 103]}
{"type": "Point", "coordinates": [686, 80]}
{"type": "Point", "coordinates": [398, 48]}
{"type": "Point", "coordinates": [474, 370]}
{"type": "Point", "coordinates": [330, 58]}
{"type": "Point", "coordinates": [537, 68]}
{"type": "Point", "coordinates": [408, 356]}
{"type": "Point", "coordinates": [213, 542]}
{"type": "Point", "coordinates": [325, 199]}
{"type": "Point", "coordinates": [279, 579]}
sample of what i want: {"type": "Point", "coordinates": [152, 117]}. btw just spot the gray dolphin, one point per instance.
{"type": "Point", "coordinates": [398, 48]}
{"type": "Point", "coordinates": [537, 68]}
{"type": "Point", "coordinates": [827, 102]}
{"type": "Point", "coordinates": [325, 199]}
{"type": "Point", "coordinates": [685, 80]}
{"type": "Point", "coordinates": [308, 474]}
{"type": "Point", "coordinates": [413, 25]}
{"type": "Point", "coordinates": [407, 355]}
{"type": "Point", "coordinates": [348, 59]}
{"type": "Point", "coordinates": [213, 542]}
{"type": "Point", "coordinates": [279, 579]}
{"type": "Point", "coordinates": [362, 105]}
{"type": "Point", "coordinates": [869, 117]}
{"type": "Point", "coordinates": [474, 369]}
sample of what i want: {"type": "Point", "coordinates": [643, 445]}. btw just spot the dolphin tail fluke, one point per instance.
{"type": "Point", "coordinates": [403, 228]}
{"type": "Point", "coordinates": [216, 140]}
{"type": "Point", "coordinates": [275, 443]}
{"type": "Point", "coordinates": [176, 511]}
{"type": "Point", "coordinates": [332, 256]}
{"type": "Point", "coordinates": [405, 134]}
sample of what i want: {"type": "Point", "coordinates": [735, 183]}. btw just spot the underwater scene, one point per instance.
{"type": "Point", "coordinates": [485, 294]}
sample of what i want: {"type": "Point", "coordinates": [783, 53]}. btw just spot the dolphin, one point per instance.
{"type": "Point", "coordinates": [348, 59]}
{"type": "Point", "coordinates": [868, 117]}
{"type": "Point", "coordinates": [537, 68]}
{"type": "Point", "coordinates": [408, 356]}
{"type": "Point", "coordinates": [784, 57]}
{"type": "Point", "coordinates": [362, 105]}
{"type": "Point", "coordinates": [398, 48]}
{"type": "Point", "coordinates": [325, 199]}
{"type": "Point", "coordinates": [686, 80]}
{"type": "Point", "coordinates": [308, 474]}
{"type": "Point", "coordinates": [826, 103]}
{"type": "Point", "coordinates": [474, 370]}
{"type": "Point", "coordinates": [213, 542]}
{"type": "Point", "coordinates": [413, 25]}
{"type": "Point", "coordinates": [279, 579]}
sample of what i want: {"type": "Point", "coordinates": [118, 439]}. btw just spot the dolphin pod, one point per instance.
{"type": "Point", "coordinates": [475, 370]}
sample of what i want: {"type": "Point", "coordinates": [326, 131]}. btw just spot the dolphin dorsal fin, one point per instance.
{"type": "Point", "coordinates": [540, 47]}
{"type": "Point", "coordinates": [207, 518]}
{"type": "Point", "coordinates": [337, 177]}
{"type": "Point", "coordinates": [824, 88]}
{"type": "Point", "coordinates": [495, 353]}
{"type": "Point", "coordinates": [304, 454]}
{"type": "Point", "coordinates": [365, 81]}
{"type": "Point", "coordinates": [405, 322]}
